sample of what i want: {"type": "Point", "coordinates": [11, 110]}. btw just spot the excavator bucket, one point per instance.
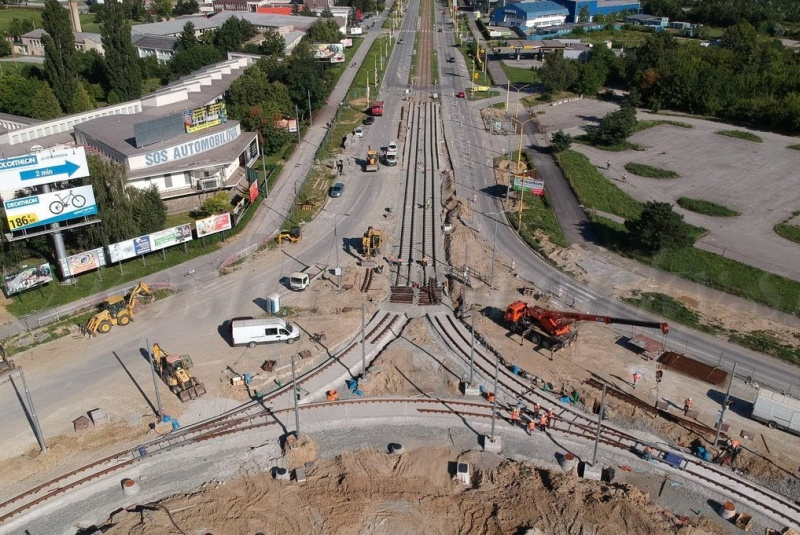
{"type": "Point", "coordinates": [184, 396]}
{"type": "Point", "coordinates": [200, 389]}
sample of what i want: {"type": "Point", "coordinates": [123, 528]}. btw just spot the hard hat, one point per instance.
{"type": "Point", "coordinates": [690, 399]}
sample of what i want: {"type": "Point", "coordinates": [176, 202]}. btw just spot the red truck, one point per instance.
{"type": "Point", "coordinates": [376, 110]}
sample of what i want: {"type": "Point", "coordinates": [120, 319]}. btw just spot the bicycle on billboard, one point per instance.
{"type": "Point", "coordinates": [58, 206]}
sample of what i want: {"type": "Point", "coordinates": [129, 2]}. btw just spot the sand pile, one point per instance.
{"type": "Point", "coordinates": [369, 491]}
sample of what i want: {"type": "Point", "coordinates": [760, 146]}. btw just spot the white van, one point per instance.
{"type": "Point", "coordinates": [263, 331]}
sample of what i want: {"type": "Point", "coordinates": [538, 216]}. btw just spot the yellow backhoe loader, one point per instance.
{"type": "Point", "coordinates": [292, 235]}
{"type": "Point", "coordinates": [174, 371]}
{"type": "Point", "coordinates": [116, 310]}
{"type": "Point", "coordinates": [372, 242]}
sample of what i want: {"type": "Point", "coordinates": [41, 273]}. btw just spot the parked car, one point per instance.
{"type": "Point", "coordinates": [369, 120]}
{"type": "Point", "coordinates": [359, 132]}
{"type": "Point", "coordinates": [337, 190]}
{"type": "Point", "coordinates": [400, 41]}
{"type": "Point", "coordinates": [461, 94]}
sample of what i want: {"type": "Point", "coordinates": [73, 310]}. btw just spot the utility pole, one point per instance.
{"type": "Point", "coordinates": [338, 267]}
{"type": "Point", "coordinates": [37, 429]}
{"type": "Point", "coordinates": [363, 346]}
{"type": "Point", "coordinates": [155, 379]}
{"type": "Point", "coordinates": [472, 353]}
{"type": "Point", "coordinates": [264, 170]}
{"type": "Point", "coordinates": [494, 252]}
{"type": "Point", "coordinates": [724, 406]}
{"type": "Point", "coordinates": [310, 118]}
{"type": "Point", "coordinates": [294, 394]}
{"type": "Point", "coordinates": [367, 88]}
{"type": "Point", "coordinates": [297, 118]}
{"type": "Point", "coordinates": [599, 424]}
{"type": "Point", "coordinates": [494, 401]}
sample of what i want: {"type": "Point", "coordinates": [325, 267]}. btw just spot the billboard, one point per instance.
{"type": "Point", "coordinates": [43, 167]}
{"type": "Point", "coordinates": [333, 52]}
{"type": "Point", "coordinates": [50, 207]}
{"type": "Point", "coordinates": [253, 191]}
{"type": "Point", "coordinates": [213, 224]}
{"type": "Point", "coordinates": [290, 125]}
{"type": "Point", "coordinates": [117, 252]}
{"type": "Point", "coordinates": [205, 117]}
{"type": "Point", "coordinates": [533, 185]}
{"type": "Point", "coordinates": [27, 278]}
{"type": "Point", "coordinates": [82, 262]}
{"type": "Point", "coordinates": [356, 31]}
{"type": "Point", "coordinates": [347, 42]}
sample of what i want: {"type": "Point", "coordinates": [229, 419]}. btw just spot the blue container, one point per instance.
{"type": "Point", "coordinates": [352, 384]}
{"type": "Point", "coordinates": [247, 378]}
{"type": "Point", "coordinates": [358, 392]}
{"type": "Point", "coordinates": [175, 425]}
{"type": "Point", "coordinates": [142, 451]}
{"type": "Point", "coordinates": [515, 369]}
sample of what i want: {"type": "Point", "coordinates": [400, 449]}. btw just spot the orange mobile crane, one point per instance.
{"type": "Point", "coordinates": [552, 328]}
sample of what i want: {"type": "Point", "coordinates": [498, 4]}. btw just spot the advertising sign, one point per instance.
{"type": "Point", "coordinates": [290, 125]}
{"type": "Point", "coordinates": [480, 88]}
{"type": "Point", "coordinates": [253, 191]}
{"type": "Point", "coordinates": [188, 149]}
{"type": "Point", "coordinates": [333, 52]}
{"type": "Point", "coordinates": [356, 31]}
{"type": "Point", "coordinates": [27, 278]}
{"type": "Point", "coordinates": [117, 252]}
{"type": "Point", "coordinates": [213, 224]}
{"type": "Point", "coordinates": [347, 42]}
{"type": "Point", "coordinates": [531, 184]}
{"type": "Point", "coordinates": [83, 262]}
{"type": "Point", "coordinates": [45, 167]}
{"type": "Point", "coordinates": [142, 245]}
{"type": "Point", "coordinates": [171, 236]}
{"type": "Point", "coordinates": [50, 207]}
{"type": "Point", "coordinates": [205, 117]}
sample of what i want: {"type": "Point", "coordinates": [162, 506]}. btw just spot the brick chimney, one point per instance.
{"type": "Point", "coordinates": [74, 16]}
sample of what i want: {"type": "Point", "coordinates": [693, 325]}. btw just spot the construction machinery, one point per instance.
{"type": "Point", "coordinates": [174, 371]}
{"type": "Point", "coordinates": [552, 329]}
{"type": "Point", "coordinates": [371, 163]}
{"type": "Point", "coordinates": [372, 242]}
{"type": "Point", "coordinates": [293, 235]}
{"type": "Point", "coordinates": [116, 310]}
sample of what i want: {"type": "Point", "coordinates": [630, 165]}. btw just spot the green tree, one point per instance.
{"type": "Point", "coordinates": [615, 127]}
{"type": "Point", "coordinates": [324, 31]}
{"type": "Point", "coordinates": [5, 48]}
{"type": "Point", "coordinates": [115, 206]}
{"type": "Point", "coordinates": [263, 119]}
{"type": "Point", "coordinates": [149, 209]}
{"type": "Point", "coordinates": [91, 66]}
{"type": "Point", "coordinates": [233, 33]}
{"type": "Point", "coordinates": [742, 40]}
{"type": "Point", "coordinates": [163, 8]}
{"type": "Point", "coordinates": [187, 61]}
{"type": "Point", "coordinates": [253, 88]}
{"type": "Point", "coordinates": [273, 44]}
{"type": "Point", "coordinates": [583, 15]}
{"type": "Point", "coordinates": [186, 7]}
{"type": "Point", "coordinates": [15, 94]}
{"type": "Point", "coordinates": [658, 228]}
{"type": "Point", "coordinates": [558, 73]}
{"type": "Point", "coordinates": [217, 204]}
{"type": "Point", "coordinates": [591, 77]}
{"type": "Point", "coordinates": [59, 52]}
{"type": "Point", "coordinates": [18, 27]}
{"type": "Point", "coordinates": [560, 141]}
{"type": "Point", "coordinates": [82, 101]}
{"type": "Point", "coordinates": [44, 104]}
{"type": "Point", "coordinates": [122, 60]}
{"type": "Point", "coordinates": [187, 38]}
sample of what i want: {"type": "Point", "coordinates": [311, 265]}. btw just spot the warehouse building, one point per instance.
{"type": "Point", "coordinates": [528, 16]}
{"type": "Point", "coordinates": [598, 7]}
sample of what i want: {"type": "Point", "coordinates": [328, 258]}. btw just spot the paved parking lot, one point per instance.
{"type": "Point", "coordinates": [758, 180]}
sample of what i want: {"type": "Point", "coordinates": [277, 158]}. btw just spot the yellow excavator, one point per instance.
{"type": "Point", "coordinates": [292, 235]}
{"type": "Point", "coordinates": [116, 310]}
{"type": "Point", "coordinates": [371, 242]}
{"type": "Point", "coordinates": [174, 371]}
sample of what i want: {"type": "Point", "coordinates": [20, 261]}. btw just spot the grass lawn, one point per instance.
{"type": "Point", "coordinates": [795, 147]}
{"type": "Point", "coordinates": [650, 123]}
{"type": "Point", "coordinates": [593, 189]}
{"type": "Point", "coordinates": [519, 75]}
{"type": "Point", "coordinates": [766, 343]}
{"type": "Point", "coordinates": [88, 24]}
{"type": "Point", "coordinates": [7, 15]}
{"type": "Point", "coordinates": [667, 307]}
{"type": "Point", "coordinates": [740, 134]}
{"type": "Point", "coordinates": [700, 206]}
{"type": "Point", "coordinates": [790, 232]}
{"type": "Point", "coordinates": [640, 169]}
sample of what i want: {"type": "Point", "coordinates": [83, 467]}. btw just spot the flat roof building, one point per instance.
{"type": "Point", "coordinates": [528, 16]}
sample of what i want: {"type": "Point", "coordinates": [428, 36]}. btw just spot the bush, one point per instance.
{"type": "Point", "coordinates": [700, 206]}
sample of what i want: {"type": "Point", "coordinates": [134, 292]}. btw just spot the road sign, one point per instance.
{"type": "Point", "coordinates": [45, 167]}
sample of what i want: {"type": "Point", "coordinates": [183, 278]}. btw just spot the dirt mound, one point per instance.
{"type": "Point", "coordinates": [369, 491]}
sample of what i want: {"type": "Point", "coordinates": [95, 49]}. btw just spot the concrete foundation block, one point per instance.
{"type": "Point", "coordinates": [493, 445]}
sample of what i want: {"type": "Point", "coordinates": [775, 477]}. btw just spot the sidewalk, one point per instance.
{"type": "Point", "coordinates": [271, 214]}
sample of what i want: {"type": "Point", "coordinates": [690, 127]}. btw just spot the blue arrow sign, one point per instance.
{"type": "Point", "coordinates": [67, 168]}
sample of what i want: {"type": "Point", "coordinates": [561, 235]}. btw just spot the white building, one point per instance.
{"type": "Point", "coordinates": [530, 15]}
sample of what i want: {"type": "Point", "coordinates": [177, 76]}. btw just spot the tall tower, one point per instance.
{"type": "Point", "coordinates": [74, 16]}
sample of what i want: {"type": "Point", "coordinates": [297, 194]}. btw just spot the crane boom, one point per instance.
{"type": "Point", "coordinates": [609, 319]}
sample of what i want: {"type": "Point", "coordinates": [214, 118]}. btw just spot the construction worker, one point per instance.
{"type": "Point", "coordinates": [514, 416]}
{"type": "Point", "coordinates": [531, 426]}
{"type": "Point", "coordinates": [543, 422]}
{"type": "Point", "coordinates": [424, 261]}
{"type": "Point", "coordinates": [608, 164]}
{"type": "Point", "coordinates": [647, 455]}
{"type": "Point", "coordinates": [550, 417]}
{"type": "Point", "coordinates": [687, 405]}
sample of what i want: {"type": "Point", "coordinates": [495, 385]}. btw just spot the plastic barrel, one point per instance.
{"type": "Point", "coordinates": [274, 301]}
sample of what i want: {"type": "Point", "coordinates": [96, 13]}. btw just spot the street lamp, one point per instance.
{"type": "Point", "coordinates": [494, 243]}
{"type": "Point", "coordinates": [519, 158]}
{"type": "Point", "coordinates": [375, 66]}
{"type": "Point", "coordinates": [508, 93]}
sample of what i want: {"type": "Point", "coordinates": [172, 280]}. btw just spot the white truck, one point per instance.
{"type": "Point", "coordinates": [262, 331]}
{"type": "Point", "coordinates": [390, 157]}
{"type": "Point", "coordinates": [299, 280]}
{"type": "Point", "coordinates": [777, 410]}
